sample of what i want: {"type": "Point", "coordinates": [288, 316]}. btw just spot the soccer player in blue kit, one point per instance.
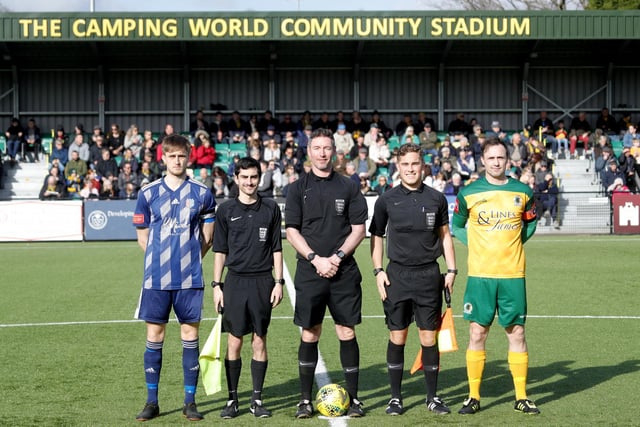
{"type": "Point", "coordinates": [174, 220]}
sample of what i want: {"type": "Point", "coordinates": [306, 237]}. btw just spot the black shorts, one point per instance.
{"type": "Point", "coordinates": [342, 294]}
{"type": "Point", "coordinates": [414, 292]}
{"type": "Point", "coordinates": [247, 306]}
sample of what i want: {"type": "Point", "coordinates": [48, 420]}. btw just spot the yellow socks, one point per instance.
{"type": "Point", "coordinates": [475, 367]}
{"type": "Point", "coordinates": [518, 365]}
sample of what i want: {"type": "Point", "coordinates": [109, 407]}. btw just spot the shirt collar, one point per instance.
{"type": "Point", "coordinates": [405, 190]}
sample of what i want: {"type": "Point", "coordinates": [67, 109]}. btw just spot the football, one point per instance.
{"type": "Point", "coordinates": [332, 400]}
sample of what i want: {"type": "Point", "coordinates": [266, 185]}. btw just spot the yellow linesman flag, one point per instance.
{"type": "Point", "coordinates": [211, 360]}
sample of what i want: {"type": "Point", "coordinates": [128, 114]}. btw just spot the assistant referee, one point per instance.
{"type": "Point", "coordinates": [247, 240]}
{"type": "Point", "coordinates": [325, 218]}
{"type": "Point", "coordinates": [416, 220]}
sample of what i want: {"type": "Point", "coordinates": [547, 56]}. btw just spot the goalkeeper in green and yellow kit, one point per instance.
{"type": "Point", "coordinates": [500, 215]}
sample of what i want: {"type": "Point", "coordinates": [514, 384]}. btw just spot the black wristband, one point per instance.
{"type": "Point", "coordinates": [452, 270]}
{"type": "Point", "coordinates": [377, 270]}
{"type": "Point", "coordinates": [215, 284]}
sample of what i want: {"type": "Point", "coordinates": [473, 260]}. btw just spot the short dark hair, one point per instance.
{"type": "Point", "coordinates": [247, 163]}
{"type": "Point", "coordinates": [409, 148]}
{"type": "Point", "coordinates": [321, 132]}
{"type": "Point", "coordinates": [492, 142]}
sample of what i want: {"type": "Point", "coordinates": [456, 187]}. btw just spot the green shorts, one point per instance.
{"type": "Point", "coordinates": [484, 296]}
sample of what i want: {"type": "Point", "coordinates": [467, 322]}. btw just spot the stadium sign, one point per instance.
{"type": "Point", "coordinates": [322, 26]}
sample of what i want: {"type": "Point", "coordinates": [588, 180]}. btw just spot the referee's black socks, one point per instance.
{"type": "Point", "coordinates": [431, 366]}
{"type": "Point", "coordinates": [350, 359]}
{"type": "Point", "coordinates": [395, 366]}
{"type": "Point", "coordinates": [307, 361]}
{"type": "Point", "coordinates": [233, 368]}
{"type": "Point", "coordinates": [258, 372]}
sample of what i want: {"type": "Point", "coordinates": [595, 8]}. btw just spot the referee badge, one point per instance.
{"type": "Point", "coordinates": [340, 206]}
{"type": "Point", "coordinates": [262, 234]}
{"type": "Point", "coordinates": [431, 219]}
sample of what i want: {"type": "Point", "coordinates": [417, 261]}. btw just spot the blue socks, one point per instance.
{"type": "Point", "coordinates": [191, 368]}
{"type": "Point", "coordinates": [152, 366]}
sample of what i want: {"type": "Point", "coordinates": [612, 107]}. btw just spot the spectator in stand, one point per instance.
{"type": "Point", "coordinates": [198, 123]}
{"type": "Point", "coordinates": [32, 140]}
{"type": "Point", "coordinates": [129, 158]}
{"type": "Point", "coordinates": [382, 127]}
{"type": "Point", "coordinates": [630, 134]}
{"type": "Point", "coordinates": [541, 172]}
{"type": "Point", "coordinates": [624, 122]}
{"type": "Point", "coordinates": [78, 129]}
{"type": "Point", "coordinates": [107, 192]}
{"type": "Point", "coordinates": [497, 132]}
{"type": "Point", "coordinates": [267, 120]}
{"type": "Point", "coordinates": [154, 167]}
{"type": "Point", "coordinates": [579, 130]}
{"type": "Point", "coordinates": [617, 187]}
{"type": "Point", "coordinates": [547, 195]}
{"type": "Point", "coordinates": [303, 137]}
{"type": "Point", "coordinates": [635, 148]}
{"type": "Point", "coordinates": [55, 172]}
{"type": "Point", "coordinates": [115, 141]}
{"type": "Point", "coordinates": [372, 135]}
{"type": "Point", "coordinates": [476, 149]}
{"type": "Point", "coordinates": [287, 125]}
{"type": "Point", "coordinates": [133, 140]}
{"type": "Point", "coordinates": [428, 140]}
{"type": "Point", "coordinates": [439, 182]}
{"type": "Point", "coordinates": [611, 174]}
{"type": "Point", "coordinates": [53, 189]}
{"type": "Point", "coordinates": [602, 162]}
{"type": "Point", "coordinates": [205, 153]}
{"type": "Point", "coordinates": [446, 143]}
{"type": "Point", "coordinates": [459, 125]}
{"type": "Point", "coordinates": [238, 128]}
{"type": "Point", "coordinates": [271, 151]}
{"type": "Point", "coordinates": [130, 192]}
{"type": "Point", "coordinates": [271, 133]}
{"type": "Point", "coordinates": [365, 167]}
{"type": "Point", "coordinates": [359, 143]}
{"type": "Point", "coordinates": [60, 134]}
{"type": "Point", "coordinates": [600, 143]}
{"type": "Point", "coordinates": [343, 139]}
{"type": "Point", "coordinates": [95, 152]}
{"type": "Point", "coordinates": [423, 120]}
{"type": "Point", "coordinates": [220, 189]}
{"type": "Point", "coordinates": [447, 170]}
{"type": "Point", "coordinates": [339, 120]}
{"type": "Point", "coordinates": [74, 182]}
{"type": "Point", "coordinates": [427, 175]}
{"type": "Point", "coordinates": [78, 144]}
{"type": "Point", "coordinates": [305, 120]}
{"type": "Point", "coordinates": [266, 184]}
{"type": "Point", "coordinates": [107, 169]}
{"type": "Point", "coordinates": [146, 175]}
{"type": "Point", "coordinates": [289, 177]}
{"type": "Point", "coordinates": [14, 134]}
{"type": "Point", "coordinates": [75, 165]}
{"type": "Point", "coordinates": [536, 152]}
{"type": "Point", "coordinates": [88, 190]}
{"type": "Point", "coordinates": [466, 163]}
{"type": "Point", "coordinates": [323, 122]}
{"type": "Point", "coordinates": [628, 168]}
{"type": "Point", "coordinates": [561, 140]}
{"type": "Point", "coordinates": [543, 128]}
{"type": "Point", "coordinates": [379, 153]}
{"type": "Point", "coordinates": [148, 144]}
{"type": "Point", "coordinates": [446, 155]}
{"type": "Point", "coordinates": [383, 186]}
{"type": "Point", "coordinates": [219, 127]}
{"type": "Point", "coordinates": [351, 173]}
{"type": "Point", "coordinates": [340, 163]}
{"type": "Point", "coordinates": [517, 152]}
{"type": "Point", "coordinates": [127, 176]}
{"type": "Point", "coordinates": [357, 123]}
{"type": "Point", "coordinates": [365, 187]}
{"type": "Point", "coordinates": [406, 121]}
{"type": "Point", "coordinates": [607, 123]}
{"type": "Point", "coordinates": [168, 130]}
{"type": "Point", "coordinates": [476, 131]}
{"type": "Point", "coordinates": [253, 123]}
{"type": "Point", "coordinates": [456, 183]}
{"type": "Point", "coordinates": [97, 131]}
{"type": "Point", "coordinates": [409, 136]}
{"type": "Point", "coordinates": [91, 174]}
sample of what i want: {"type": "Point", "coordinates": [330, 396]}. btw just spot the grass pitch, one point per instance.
{"type": "Point", "coordinates": [71, 355]}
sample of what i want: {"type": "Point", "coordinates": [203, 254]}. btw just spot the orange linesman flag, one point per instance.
{"type": "Point", "coordinates": [446, 334]}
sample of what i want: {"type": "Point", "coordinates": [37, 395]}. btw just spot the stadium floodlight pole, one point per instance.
{"type": "Point", "coordinates": [92, 6]}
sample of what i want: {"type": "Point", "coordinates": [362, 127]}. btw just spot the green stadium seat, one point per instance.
{"type": "Point", "coordinates": [47, 145]}
{"type": "Point", "coordinates": [237, 148]}
{"type": "Point", "coordinates": [382, 171]}
{"type": "Point", "coordinates": [222, 165]}
{"type": "Point", "coordinates": [394, 142]}
{"type": "Point", "coordinates": [617, 146]}
{"type": "Point", "coordinates": [441, 135]}
{"type": "Point", "coordinates": [3, 144]}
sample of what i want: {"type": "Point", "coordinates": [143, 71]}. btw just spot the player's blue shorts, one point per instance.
{"type": "Point", "coordinates": [155, 305]}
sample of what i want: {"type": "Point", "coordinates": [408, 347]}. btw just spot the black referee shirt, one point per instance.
{"type": "Point", "coordinates": [413, 218]}
{"type": "Point", "coordinates": [248, 234]}
{"type": "Point", "coordinates": [323, 209]}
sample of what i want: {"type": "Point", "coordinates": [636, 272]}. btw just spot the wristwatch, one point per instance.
{"type": "Point", "coordinates": [340, 253]}
{"type": "Point", "coordinates": [311, 256]}
{"type": "Point", "coordinates": [280, 281]}
{"type": "Point", "coordinates": [452, 270]}
{"type": "Point", "coordinates": [377, 270]}
{"type": "Point", "coordinates": [215, 284]}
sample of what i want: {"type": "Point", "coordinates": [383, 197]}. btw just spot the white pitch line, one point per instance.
{"type": "Point", "coordinates": [105, 322]}
{"type": "Point", "coordinates": [321, 374]}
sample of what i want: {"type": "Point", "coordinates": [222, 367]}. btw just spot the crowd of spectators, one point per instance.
{"type": "Point", "coordinates": [117, 163]}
